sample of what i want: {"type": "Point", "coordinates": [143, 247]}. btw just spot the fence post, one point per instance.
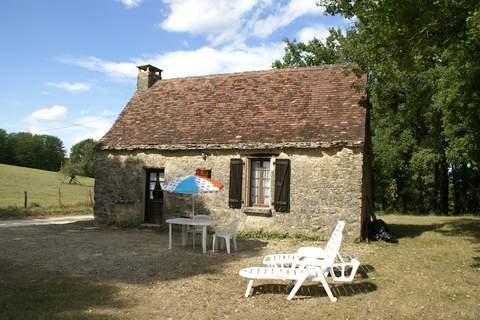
{"type": "Point", "coordinates": [59, 197]}
{"type": "Point", "coordinates": [91, 198]}
{"type": "Point", "coordinates": [25, 199]}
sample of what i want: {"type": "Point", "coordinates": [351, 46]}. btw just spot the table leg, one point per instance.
{"type": "Point", "coordinates": [170, 236]}
{"type": "Point", "coordinates": [204, 239]}
{"type": "Point", "coordinates": [184, 235]}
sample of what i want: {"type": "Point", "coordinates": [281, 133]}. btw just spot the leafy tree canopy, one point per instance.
{"type": "Point", "coordinates": [82, 155]}
{"type": "Point", "coordinates": [422, 61]}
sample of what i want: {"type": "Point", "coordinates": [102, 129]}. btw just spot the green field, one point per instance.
{"type": "Point", "coordinates": [44, 188]}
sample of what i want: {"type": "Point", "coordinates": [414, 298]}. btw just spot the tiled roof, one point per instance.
{"type": "Point", "coordinates": [307, 107]}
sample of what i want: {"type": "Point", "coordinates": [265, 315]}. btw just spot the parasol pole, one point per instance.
{"type": "Point", "coordinates": [193, 205]}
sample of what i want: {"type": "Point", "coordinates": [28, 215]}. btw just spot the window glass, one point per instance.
{"type": "Point", "coordinates": [260, 182]}
{"type": "Point", "coordinates": [266, 182]}
{"type": "Point", "coordinates": [153, 176]}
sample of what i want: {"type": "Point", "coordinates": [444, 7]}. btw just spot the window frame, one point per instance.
{"type": "Point", "coordinates": [148, 190]}
{"type": "Point", "coordinates": [248, 183]}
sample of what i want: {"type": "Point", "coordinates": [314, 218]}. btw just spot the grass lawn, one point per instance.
{"type": "Point", "coordinates": [43, 192]}
{"type": "Point", "coordinates": [89, 271]}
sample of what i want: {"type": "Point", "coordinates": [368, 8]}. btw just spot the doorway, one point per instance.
{"type": "Point", "coordinates": [154, 196]}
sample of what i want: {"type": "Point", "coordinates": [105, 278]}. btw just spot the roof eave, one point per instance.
{"type": "Point", "coordinates": [236, 146]}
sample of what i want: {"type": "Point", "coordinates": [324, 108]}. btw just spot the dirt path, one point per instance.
{"type": "Point", "coordinates": [44, 221]}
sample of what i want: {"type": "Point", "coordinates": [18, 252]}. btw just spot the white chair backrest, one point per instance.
{"type": "Point", "coordinates": [232, 227]}
{"type": "Point", "coordinates": [323, 257]}
{"type": "Point", "coordinates": [202, 218]}
{"type": "Point", "coordinates": [333, 245]}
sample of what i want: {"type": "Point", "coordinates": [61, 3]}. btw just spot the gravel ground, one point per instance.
{"type": "Point", "coordinates": [131, 274]}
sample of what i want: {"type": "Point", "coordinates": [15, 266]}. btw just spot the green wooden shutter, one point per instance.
{"type": "Point", "coordinates": [282, 185]}
{"type": "Point", "coordinates": [235, 190]}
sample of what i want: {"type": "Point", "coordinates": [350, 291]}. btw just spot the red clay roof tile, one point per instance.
{"type": "Point", "coordinates": [309, 106]}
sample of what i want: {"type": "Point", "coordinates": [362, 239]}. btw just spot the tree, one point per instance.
{"type": "Point", "coordinates": [52, 152]}
{"type": "Point", "coordinates": [313, 53]}
{"type": "Point", "coordinates": [422, 61]}
{"type": "Point", "coordinates": [71, 170]}
{"type": "Point", "coordinates": [3, 146]}
{"type": "Point", "coordinates": [83, 155]}
{"type": "Point", "coordinates": [36, 151]}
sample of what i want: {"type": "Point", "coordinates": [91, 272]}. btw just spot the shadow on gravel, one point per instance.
{"type": "Point", "coordinates": [33, 293]}
{"type": "Point", "coordinates": [315, 290]}
{"type": "Point", "coordinates": [116, 254]}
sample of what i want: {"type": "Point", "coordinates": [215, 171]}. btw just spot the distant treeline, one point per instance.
{"type": "Point", "coordinates": [31, 150]}
{"type": "Point", "coordinates": [47, 153]}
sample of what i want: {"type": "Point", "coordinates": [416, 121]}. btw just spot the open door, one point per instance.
{"type": "Point", "coordinates": [154, 196]}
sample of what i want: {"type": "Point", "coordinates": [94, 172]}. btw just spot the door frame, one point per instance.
{"type": "Point", "coordinates": [147, 189]}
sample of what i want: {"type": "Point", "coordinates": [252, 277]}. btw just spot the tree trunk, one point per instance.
{"type": "Point", "coordinates": [443, 186]}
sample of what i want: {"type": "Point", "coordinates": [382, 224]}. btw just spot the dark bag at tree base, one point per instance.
{"type": "Point", "coordinates": [378, 230]}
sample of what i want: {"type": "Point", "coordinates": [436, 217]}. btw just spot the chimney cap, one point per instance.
{"type": "Point", "coordinates": [149, 67]}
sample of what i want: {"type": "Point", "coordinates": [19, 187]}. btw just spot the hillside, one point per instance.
{"type": "Point", "coordinates": [42, 188]}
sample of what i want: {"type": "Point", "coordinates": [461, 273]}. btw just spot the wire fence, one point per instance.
{"type": "Point", "coordinates": [62, 195]}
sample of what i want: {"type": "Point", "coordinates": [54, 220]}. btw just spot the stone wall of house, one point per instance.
{"type": "Point", "coordinates": [326, 185]}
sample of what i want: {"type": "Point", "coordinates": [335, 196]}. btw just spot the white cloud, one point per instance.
{"type": "Point", "coordinates": [316, 31]}
{"type": "Point", "coordinates": [114, 70]}
{"type": "Point", "coordinates": [232, 21]}
{"type": "Point", "coordinates": [284, 15]}
{"type": "Point", "coordinates": [93, 127]}
{"type": "Point", "coordinates": [202, 61]}
{"type": "Point", "coordinates": [71, 132]}
{"type": "Point", "coordinates": [131, 3]}
{"type": "Point", "coordinates": [52, 113]}
{"type": "Point", "coordinates": [218, 19]}
{"type": "Point", "coordinates": [70, 86]}
{"type": "Point", "coordinates": [224, 60]}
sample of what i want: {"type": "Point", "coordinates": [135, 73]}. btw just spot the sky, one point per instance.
{"type": "Point", "coordinates": [69, 67]}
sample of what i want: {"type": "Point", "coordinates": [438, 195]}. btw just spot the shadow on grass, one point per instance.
{"type": "Point", "coordinates": [13, 212]}
{"type": "Point", "coordinates": [476, 260]}
{"type": "Point", "coordinates": [31, 293]}
{"type": "Point", "coordinates": [364, 270]}
{"type": "Point", "coordinates": [464, 227]}
{"type": "Point", "coordinates": [316, 290]}
{"type": "Point", "coordinates": [457, 228]}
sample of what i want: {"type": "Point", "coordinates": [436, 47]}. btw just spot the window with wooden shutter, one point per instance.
{"type": "Point", "coordinates": [235, 190]}
{"type": "Point", "coordinates": [282, 185]}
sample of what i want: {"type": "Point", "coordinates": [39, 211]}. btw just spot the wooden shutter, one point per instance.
{"type": "Point", "coordinates": [282, 185]}
{"type": "Point", "coordinates": [235, 190]}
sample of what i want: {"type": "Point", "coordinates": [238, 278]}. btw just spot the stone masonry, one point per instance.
{"type": "Point", "coordinates": [326, 186]}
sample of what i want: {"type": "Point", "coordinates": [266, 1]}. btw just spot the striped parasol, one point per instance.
{"type": "Point", "coordinates": [192, 185]}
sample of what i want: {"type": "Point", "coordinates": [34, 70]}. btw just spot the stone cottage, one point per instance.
{"type": "Point", "coordinates": [291, 147]}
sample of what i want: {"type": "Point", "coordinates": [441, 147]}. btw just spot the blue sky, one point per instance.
{"type": "Point", "coordinates": [69, 66]}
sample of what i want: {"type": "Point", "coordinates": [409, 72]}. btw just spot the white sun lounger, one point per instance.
{"type": "Point", "coordinates": [289, 259]}
{"type": "Point", "coordinates": [307, 268]}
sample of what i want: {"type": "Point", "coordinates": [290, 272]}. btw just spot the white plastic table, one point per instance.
{"type": "Point", "coordinates": [188, 222]}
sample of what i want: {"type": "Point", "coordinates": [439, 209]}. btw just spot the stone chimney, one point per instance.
{"type": "Point", "coordinates": [147, 76]}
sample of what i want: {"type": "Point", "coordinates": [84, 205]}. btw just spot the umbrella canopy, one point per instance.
{"type": "Point", "coordinates": [192, 185]}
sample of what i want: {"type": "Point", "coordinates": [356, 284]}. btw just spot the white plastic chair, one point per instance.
{"type": "Point", "coordinates": [228, 233]}
{"type": "Point", "coordinates": [198, 229]}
